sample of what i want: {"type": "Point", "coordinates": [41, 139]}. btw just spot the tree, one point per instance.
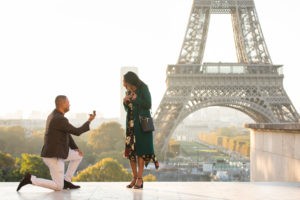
{"type": "Point", "coordinates": [108, 137]}
{"type": "Point", "coordinates": [12, 140]}
{"type": "Point", "coordinates": [33, 164]}
{"type": "Point", "coordinates": [228, 131]}
{"type": "Point", "coordinates": [7, 166]}
{"type": "Point", "coordinates": [6, 161]}
{"type": "Point", "coordinates": [174, 147]}
{"type": "Point", "coordinates": [106, 169]}
{"type": "Point", "coordinates": [117, 155]}
{"type": "Point", "coordinates": [35, 142]}
{"type": "Point", "coordinates": [149, 178]}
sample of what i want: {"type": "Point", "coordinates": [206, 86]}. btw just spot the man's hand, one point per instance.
{"type": "Point", "coordinates": [80, 152]}
{"type": "Point", "coordinates": [92, 116]}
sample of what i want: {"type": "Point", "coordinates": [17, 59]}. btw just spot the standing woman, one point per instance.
{"type": "Point", "coordinates": [139, 144]}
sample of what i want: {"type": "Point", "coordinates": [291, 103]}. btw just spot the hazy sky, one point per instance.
{"type": "Point", "coordinates": [77, 48]}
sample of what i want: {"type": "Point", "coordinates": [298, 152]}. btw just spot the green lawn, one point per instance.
{"type": "Point", "coordinates": [200, 152]}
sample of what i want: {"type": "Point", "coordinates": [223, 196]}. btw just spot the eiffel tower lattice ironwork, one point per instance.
{"type": "Point", "coordinates": [253, 85]}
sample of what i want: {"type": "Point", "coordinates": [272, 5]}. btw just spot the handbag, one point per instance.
{"type": "Point", "coordinates": [146, 124]}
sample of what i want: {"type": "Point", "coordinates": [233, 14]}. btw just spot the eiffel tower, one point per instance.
{"type": "Point", "coordinates": [253, 85]}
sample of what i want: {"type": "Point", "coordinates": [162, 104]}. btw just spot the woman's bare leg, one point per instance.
{"type": "Point", "coordinates": [134, 173]}
{"type": "Point", "coordinates": [141, 164]}
{"type": "Point", "coordinates": [133, 168]}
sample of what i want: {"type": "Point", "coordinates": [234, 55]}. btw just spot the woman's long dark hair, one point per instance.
{"type": "Point", "coordinates": [133, 79]}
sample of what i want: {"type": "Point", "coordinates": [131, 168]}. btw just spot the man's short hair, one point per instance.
{"type": "Point", "coordinates": [59, 99]}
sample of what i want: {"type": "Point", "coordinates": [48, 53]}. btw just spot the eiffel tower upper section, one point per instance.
{"type": "Point", "coordinates": [249, 40]}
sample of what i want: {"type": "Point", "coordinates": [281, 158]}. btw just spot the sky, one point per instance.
{"type": "Point", "coordinates": [77, 48]}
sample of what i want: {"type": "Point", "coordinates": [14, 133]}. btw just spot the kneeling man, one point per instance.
{"type": "Point", "coordinates": [59, 147]}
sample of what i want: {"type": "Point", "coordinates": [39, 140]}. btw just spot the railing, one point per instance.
{"type": "Point", "coordinates": [224, 68]}
{"type": "Point", "coordinates": [223, 4]}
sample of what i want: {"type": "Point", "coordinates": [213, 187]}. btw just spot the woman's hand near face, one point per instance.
{"type": "Point", "coordinates": [133, 96]}
{"type": "Point", "coordinates": [126, 99]}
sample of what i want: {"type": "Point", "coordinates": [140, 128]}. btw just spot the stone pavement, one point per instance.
{"type": "Point", "coordinates": [159, 190]}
